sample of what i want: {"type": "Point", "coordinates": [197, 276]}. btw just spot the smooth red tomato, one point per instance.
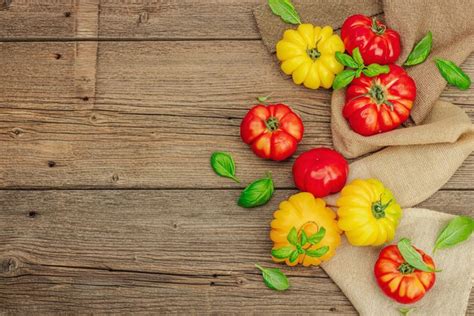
{"type": "Point", "coordinates": [400, 281]}
{"type": "Point", "coordinates": [377, 43]}
{"type": "Point", "coordinates": [320, 171]}
{"type": "Point", "coordinates": [381, 103]}
{"type": "Point", "coordinates": [272, 131]}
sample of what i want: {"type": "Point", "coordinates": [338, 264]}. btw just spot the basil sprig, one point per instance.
{"type": "Point", "coordinates": [453, 74]}
{"type": "Point", "coordinates": [274, 278]}
{"type": "Point", "coordinates": [421, 51]}
{"type": "Point", "coordinates": [456, 231]}
{"type": "Point", "coordinates": [412, 257]}
{"type": "Point", "coordinates": [223, 164]}
{"type": "Point", "coordinates": [257, 193]}
{"type": "Point", "coordinates": [285, 10]}
{"type": "Point", "coordinates": [299, 245]}
{"type": "Point", "coordinates": [356, 65]}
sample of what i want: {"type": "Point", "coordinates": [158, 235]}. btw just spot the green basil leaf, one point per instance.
{"type": "Point", "coordinates": [274, 278]}
{"type": "Point", "coordinates": [453, 74]}
{"type": "Point", "coordinates": [318, 236]}
{"type": "Point", "coordinates": [285, 10]}
{"type": "Point", "coordinates": [304, 238]}
{"type": "Point", "coordinates": [299, 249]}
{"type": "Point", "coordinates": [257, 193]}
{"type": "Point", "coordinates": [282, 253]}
{"type": "Point", "coordinates": [346, 60]}
{"type": "Point", "coordinates": [223, 164]}
{"type": "Point", "coordinates": [421, 51]}
{"type": "Point", "coordinates": [294, 255]}
{"type": "Point", "coordinates": [343, 79]}
{"type": "Point", "coordinates": [292, 237]}
{"type": "Point", "coordinates": [316, 253]}
{"type": "Point", "coordinates": [357, 56]}
{"type": "Point", "coordinates": [457, 230]}
{"type": "Point", "coordinates": [411, 256]}
{"type": "Point", "coordinates": [373, 70]}
{"type": "Point", "coordinates": [358, 72]}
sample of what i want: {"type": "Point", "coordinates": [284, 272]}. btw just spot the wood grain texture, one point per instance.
{"type": "Point", "coordinates": [153, 250]}
{"type": "Point", "coordinates": [158, 107]}
{"type": "Point", "coordinates": [156, 19]}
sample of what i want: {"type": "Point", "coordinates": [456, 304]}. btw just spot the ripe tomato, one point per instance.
{"type": "Point", "coordinates": [320, 171]}
{"type": "Point", "coordinates": [381, 103]}
{"type": "Point", "coordinates": [377, 43]}
{"type": "Point", "coordinates": [399, 280]}
{"type": "Point", "coordinates": [272, 131]}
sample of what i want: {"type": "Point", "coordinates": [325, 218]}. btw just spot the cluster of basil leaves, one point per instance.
{"type": "Point", "coordinates": [298, 243]}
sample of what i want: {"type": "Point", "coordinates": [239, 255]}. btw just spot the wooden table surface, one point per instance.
{"type": "Point", "coordinates": [109, 113]}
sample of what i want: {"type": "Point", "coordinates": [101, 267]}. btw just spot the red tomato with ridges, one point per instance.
{"type": "Point", "coordinates": [400, 281]}
{"type": "Point", "coordinates": [381, 103]}
{"type": "Point", "coordinates": [273, 131]}
{"type": "Point", "coordinates": [320, 171]}
{"type": "Point", "coordinates": [377, 43]}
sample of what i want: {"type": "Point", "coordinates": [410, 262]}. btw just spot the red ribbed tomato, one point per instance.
{"type": "Point", "coordinates": [320, 171]}
{"type": "Point", "coordinates": [377, 43]}
{"type": "Point", "coordinates": [381, 103]}
{"type": "Point", "coordinates": [272, 131]}
{"type": "Point", "coordinates": [400, 281]}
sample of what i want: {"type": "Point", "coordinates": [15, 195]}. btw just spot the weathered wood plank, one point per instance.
{"type": "Point", "coordinates": [149, 250]}
{"type": "Point", "coordinates": [165, 107]}
{"type": "Point", "coordinates": [168, 19]}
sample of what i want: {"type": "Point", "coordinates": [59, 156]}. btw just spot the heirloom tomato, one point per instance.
{"type": "Point", "coordinates": [381, 103]}
{"type": "Point", "coordinates": [321, 171]}
{"type": "Point", "coordinates": [401, 281]}
{"type": "Point", "coordinates": [309, 55]}
{"type": "Point", "coordinates": [368, 213]}
{"type": "Point", "coordinates": [377, 43]}
{"type": "Point", "coordinates": [304, 231]}
{"type": "Point", "coordinates": [272, 131]}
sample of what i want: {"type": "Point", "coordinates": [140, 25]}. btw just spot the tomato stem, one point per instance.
{"type": "Point", "coordinates": [377, 28]}
{"type": "Point", "coordinates": [313, 53]}
{"type": "Point", "coordinates": [272, 124]}
{"type": "Point", "coordinates": [406, 268]}
{"type": "Point", "coordinates": [378, 208]}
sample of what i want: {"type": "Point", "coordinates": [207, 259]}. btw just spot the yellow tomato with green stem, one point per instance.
{"type": "Point", "coordinates": [309, 55]}
{"type": "Point", "coordinates": [368, 213]}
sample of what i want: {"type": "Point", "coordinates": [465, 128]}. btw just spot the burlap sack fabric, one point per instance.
{"type": "Point", "coordinates": [415, 161]}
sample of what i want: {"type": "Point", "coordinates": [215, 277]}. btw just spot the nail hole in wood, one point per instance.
{"type": "Point", "coordinates": [32, 214]}
{"type": "Point", "coordinates": [332, 309]}
{"type": "Point", "coordinates": [115, 178]}
{"type": "Point", "coordinates": [214, 275]}
{"type": "Point", "coordinates": [51, 164]}
{"type": "Point", "coordinates": [57, 56]}
{"type": "Point", "coordinates": [85, 99]}
{"type": "Point", "coordinates": [212, 283]}
{"type": "Point", "coordinates": [67, 14]}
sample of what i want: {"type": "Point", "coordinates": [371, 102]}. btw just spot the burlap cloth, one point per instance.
{"type": "Point", "coordinates": [413, 161]}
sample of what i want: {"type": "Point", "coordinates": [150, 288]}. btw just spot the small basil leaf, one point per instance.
{"type": "Point", "coordinates": [373, 70]}
{"type": "Point", "coordinates": [358, 72]}
{"type": "Point", "coordinates": [316, 253]}
{"type": "Point", "coordinates": [299, 249]}
{"type": "Point", "coordinates": [223, 164]}
{"type": "Point", "coordinates": [458, 230]}
{"type": "Point", "coordinates": [453, 74]}
{"type": "Point", "coordinates": [304, 238]}
{"type": "Point", "coordinates": [411, 256]}
{"type": "Point", "coordinates": [274, 278]}
{"type": "Point", "coordinates": [257, 193]}
{"type": "Point", "coordinates": [293, 237]}
{"type": "Point", "coordinates": [318, 236]}
{"type": "Point", "coordinates": [343, 79]}
{"type": "Point", "coordinates": [282, 253]}
{"type": "Point", "coordinates": [285, 10]}
{"type": "Point", "coordinates": [294, 255]}
{"type": "Point", "coordinates": [357, 56]}
{"type": "Point", "coordinates": [346, 60]}
{"type": "Point", "coordinates": [421, 51]}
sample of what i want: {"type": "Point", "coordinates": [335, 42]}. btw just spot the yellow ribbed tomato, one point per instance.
{"type": "Point", "coordinates": [304, 231]}
{"type": "Point", "coordinates": [368, 213]}
{"type": "Point", "coordinates": [309, 54]}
